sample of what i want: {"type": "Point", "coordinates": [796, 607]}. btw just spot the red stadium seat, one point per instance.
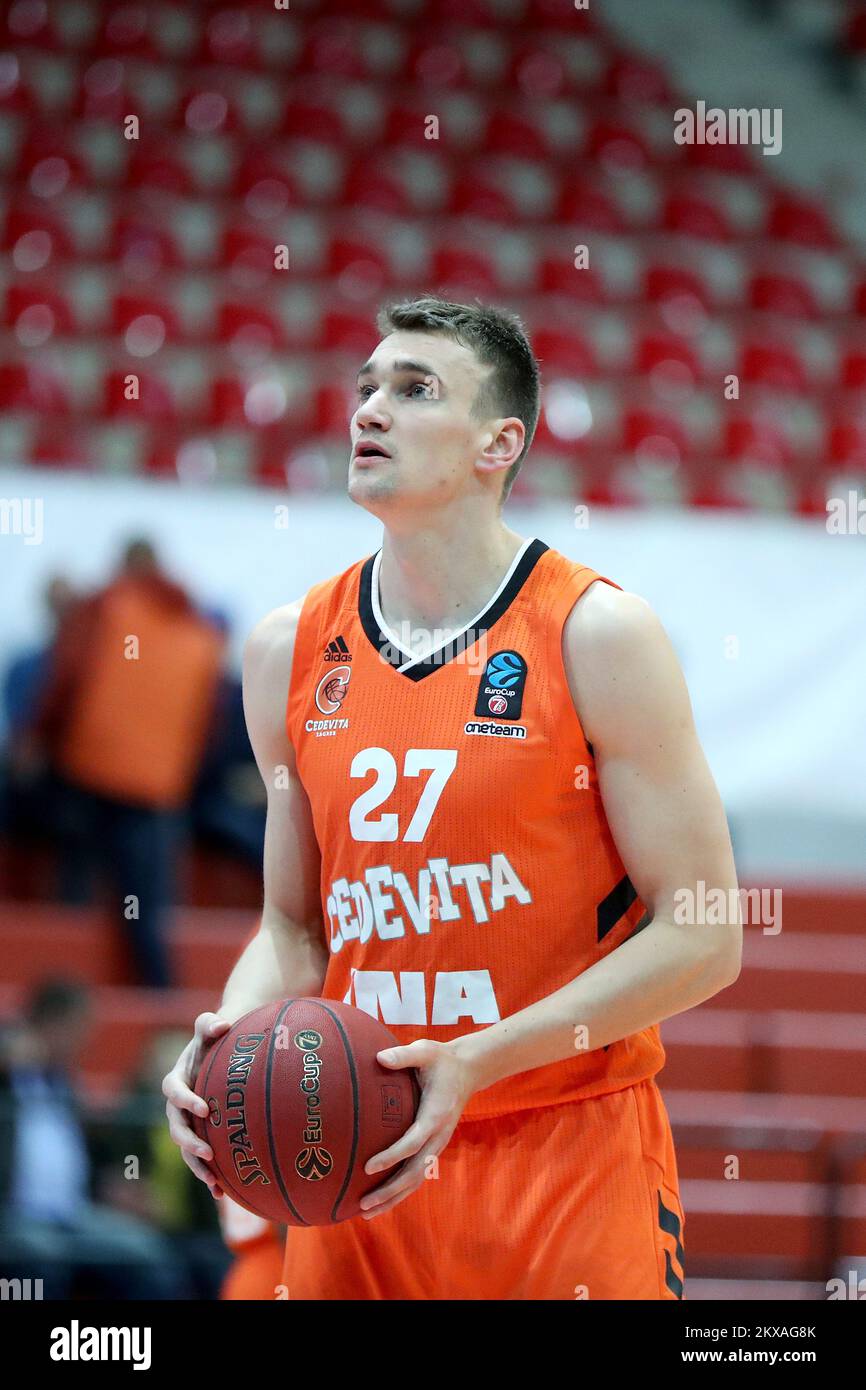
{"type": "Point", "coordinates": [207, 109]}
{"type": "Point", "coordinates": [225, 406]}
{"type": "Point", "coordinates": [33, 387]}
{"type": "Point", "coordinates": [538, 71]}
{"type": "Point", "coordinates": [693, 214]}
{"type": "Point", "coordinates": [36, 237]}
{"type": "Point", "coordinates": [139, 244]}
{"type": "Point", "coordinates": [558, 275]}
{"type": "Point", "coordinates": [56, 445]}
{"type": "Point", "coordinates": [714, 490]}
{"type": "Point", "coordinates": [563, 352]}
{"type": "Point", "coordinates": [665, 284]}
{"type": "Point", "coordinates": [846, 444]}
{"type": "Point", "coordinates": [248, 326]}
{"type": "Point", "coordinates": [634, 79]}
{"type": "Point", "coordinates": [586, 203]}
{"type": "Point", "coordinates": [514, 136]}
{"type": "Point", "coordinates": [36, 315]}
{"type": "Point", "coordinates": [156, 164]}
{"type": "Point", "coordinates": [602, 485]}
{"type": "Point", "coordinates": [155, 402]}
{"type": "Point", "coordinates": [774, 365]}
{"type": "Point", "coordinates": [49, 162]}
{"type": "Point", "coordinates": [359, 267]}
{"type": "Point", "coordinates": [795, 218]}
{"type": "Point", "coordinates": [406, 123]}
{"type": "Point", "coordinates": [15, 93]}
{"type": "Point", "coordinates": [257, 402]}
{"type": "Point", "coordinates": [666, 358]}
{"type": "Point", "coordinates": [859, 305]}
{"type": "Point", "coordinates": [654, 435]}
{"type": "Point", "coordinates": [266, 184]}
{"type": "Point", "coordinates": [160, 453]}
{"type": "Point", "coordinates": [127, 309]}
{"type": "Point", "coordinates": [729, 158]}
{"type": "Point", "coordinates": [347, 332]}
{"type": "Point", "coordinates": [618, 145]}
{"type": "Point", "coordinates": [314, 120]}
{"type": "Point", "coordinates": [855, 30]}
{"type": "Point", "coordinates": [103, 92]}
{"type": "Point", "coordinates": [782, 294]}
{"type": "Point", "coordinates": [756, 438]}
{"type": "Point", "coordinates": [852, 375]}
{"type": "Point", "coordinates": [435, 61]}
{"type": "Point", "coordinates": [333, 409]}
{"type": "Point", "coordinates": [459, 271]}
{"type": "Point", "coordinates": [478, 193]}
{"type": "Point", "coordinates": [372, 187]}
{"type": "Point", "coordinates": [375, 9]}
{"type": "Point", "coordinates": [333, 49]}
{"type": "Point", "coordinates": [229, 38]}
{"type": "Point", "coordinates": [128, 30]}
{"type": "Point", "coordinates": [298, 463]}
{"type": "Point", "coordinates": [477, 13]}
{"type": "Point", "coordinates": [248, 253]}
{"type": "Point", "coordinates": [34, 24]}
{"type": "Point", "coordinates": [557, 15]}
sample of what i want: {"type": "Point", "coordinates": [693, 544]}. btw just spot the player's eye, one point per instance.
{"type": "Point", "coordinates": [420, 390]}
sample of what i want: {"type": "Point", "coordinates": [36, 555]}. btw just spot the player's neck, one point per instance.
{"type": "Point", "coordinates": [432, 580]}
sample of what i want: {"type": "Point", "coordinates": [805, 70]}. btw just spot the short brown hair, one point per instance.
{"type": "Point", "coordinates": [498, 339]}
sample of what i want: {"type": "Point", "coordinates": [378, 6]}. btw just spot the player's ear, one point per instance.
{"type": "Point", "coordinates": [501, 444]}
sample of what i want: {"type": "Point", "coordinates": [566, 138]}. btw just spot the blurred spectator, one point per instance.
{"type": "Point", "coordinates": [124, 717]}
{"type": "Point", "coordinates": [27, 674]}
{"type": "Point", "coordinates": [26, 788]}
{"type": "Point", "coordinates": [50, 1228]}
{"type": "Point", "coordinates": [230, 800]}
{"type": "Point", "coordinates": [163, 1192]}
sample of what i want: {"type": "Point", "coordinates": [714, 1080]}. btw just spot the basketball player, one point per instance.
{"type": "Point", "coordinates": [495, 794]}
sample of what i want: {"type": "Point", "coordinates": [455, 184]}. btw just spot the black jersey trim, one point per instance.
{"type": "Point", "coordinates": [441, 657]}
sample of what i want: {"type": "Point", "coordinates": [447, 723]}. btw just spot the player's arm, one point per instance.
{"type": "Point", "coordinates": [288, 953]}
{"type": "Point", "coordinates": [669, 826]}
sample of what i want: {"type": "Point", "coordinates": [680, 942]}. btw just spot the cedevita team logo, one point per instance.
{"type": "Point", "coordinates": [331, 690]}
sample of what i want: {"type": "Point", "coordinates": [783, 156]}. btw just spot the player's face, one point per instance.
{"type": "Point", "coordinates": [413, 434]}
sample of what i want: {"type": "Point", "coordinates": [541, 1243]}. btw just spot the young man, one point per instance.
{"type": "Point", "coordinates": [495, 793]}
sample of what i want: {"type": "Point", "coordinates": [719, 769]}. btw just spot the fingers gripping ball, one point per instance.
{"type": "Point", "coordinates": [298, 1104]}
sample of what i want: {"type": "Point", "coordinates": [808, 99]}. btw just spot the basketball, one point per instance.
{"type": "Point", "coordinates": [298, 1104]}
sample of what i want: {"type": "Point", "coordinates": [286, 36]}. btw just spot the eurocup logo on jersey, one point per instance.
{"type": "Point", "coordinates": [500, 692]}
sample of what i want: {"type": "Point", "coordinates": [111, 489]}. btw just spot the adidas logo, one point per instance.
{"type": "Point", "coordinates": [337, 651]}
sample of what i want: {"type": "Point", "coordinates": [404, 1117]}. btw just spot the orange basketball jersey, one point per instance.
{"type": "Point", "coordinates": [468, 869]}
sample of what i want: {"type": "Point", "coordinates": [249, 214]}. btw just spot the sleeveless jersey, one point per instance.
{"type": "Point", "coordinates": [467, 866]}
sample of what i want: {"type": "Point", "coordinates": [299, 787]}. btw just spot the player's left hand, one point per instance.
{"type": "Point", "coordinates": [447, 1082]}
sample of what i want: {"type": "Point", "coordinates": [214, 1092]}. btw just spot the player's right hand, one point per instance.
{"type": "Point", "coordinates": [181, 1100]}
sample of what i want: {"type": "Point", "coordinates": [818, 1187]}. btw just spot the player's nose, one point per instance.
{"type": "Point", "coordinates": [371, 411]}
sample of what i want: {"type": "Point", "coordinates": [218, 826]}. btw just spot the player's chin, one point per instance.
{"type": "Point", "coordinates": [367, 484]}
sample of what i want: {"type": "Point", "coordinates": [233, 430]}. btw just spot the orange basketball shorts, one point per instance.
{"type": "Point", "coordinates": [572, 1201]}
